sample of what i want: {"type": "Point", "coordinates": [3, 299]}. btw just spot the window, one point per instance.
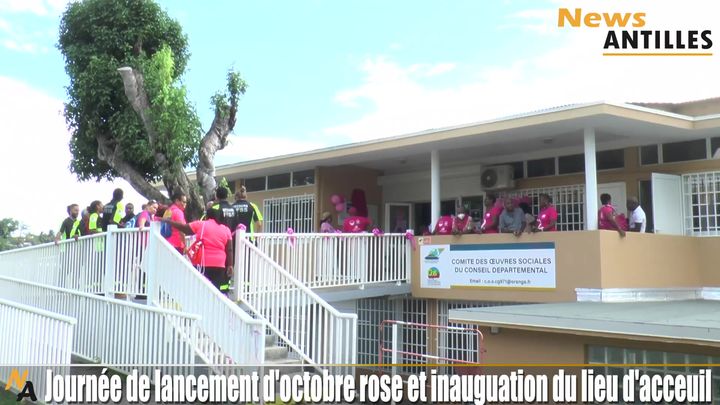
{"type": "Point", "coordinates": [541, 167]}
{"type": "Point", "coordinates": [255, 184]}
{"type": "Point", "coordinates": [701, 192]}
{"type": "Point", "coordinates": [571, 164]}
{"type": "Point", "coordinates": [296, 212]}
{"type": "Point", "coordinates": [278, 181]}
{"type": "Point", "coordinates": [611, 159]}
{"type": "Point", "coordinates": [715, 148]}
{"type": "Point", "coordinates": [303, 178]}
{"type": "Point", "coordinates": [682, 151]}
{"type": "Point", "coordinates": [649, 155]}
{"type": "Point", "coordinates": [569, 201]}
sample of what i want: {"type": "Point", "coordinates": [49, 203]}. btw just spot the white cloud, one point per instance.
{"type": "Point", "coordinates": [574, 70]}
{"type": "Point", "coordinates": [37, 184]}
{"type": "Point", "coordinates": [251, 147]}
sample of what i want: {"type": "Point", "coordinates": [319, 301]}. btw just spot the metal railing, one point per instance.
{"type": "Point", "coordinates": [397, 348]}
{"type": "Point", "coordinates": [35, 340]}
{"type": "Point", "coordinates": [113, 331]}
{"type": "Point", "coordinates": [107, 263]}
{"type": "Point", "coordinates": [313, 329]}
{"type": "Point", "coordinates": [342, 259]}
{"type": "Point", "coordinates": [228, 335]}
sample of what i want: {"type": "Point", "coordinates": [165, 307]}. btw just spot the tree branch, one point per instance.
{"type": "Point", "coordinates": [214, 140]}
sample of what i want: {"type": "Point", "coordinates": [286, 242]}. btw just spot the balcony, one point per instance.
{"type": "Point", "coordinates": [586, 265]}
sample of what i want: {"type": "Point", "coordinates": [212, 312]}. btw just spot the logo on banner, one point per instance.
{"type": "Point", "coordinates": [433, 272]}
{"type": "Point", "coordinates": [434, 255]}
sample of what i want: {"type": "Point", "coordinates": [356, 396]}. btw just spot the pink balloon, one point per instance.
{"type": "Point", "coordinates": [352, 211]}
{"type": "Point", "coordinates": [335, 199]}
{"type": "Point", "coordinates": [340, 207]}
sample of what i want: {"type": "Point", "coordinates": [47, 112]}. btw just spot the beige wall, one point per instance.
{"type": "Point", "coordinates": [342, 180]}
{"type": "Point", "coordinates": [596, 259]}
{"type": "Point", "coordinates": [573, 270]}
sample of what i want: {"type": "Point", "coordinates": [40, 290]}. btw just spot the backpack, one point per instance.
{"type": "Point", "coordinates": [196, 251]}
{"type": "Point", "coordinates": [132, 221]}
{"type": "Point", "coordinates": [165, 228]}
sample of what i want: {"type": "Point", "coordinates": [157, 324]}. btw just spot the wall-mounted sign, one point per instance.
{"type": "Point", "coordinates": [490, 265]}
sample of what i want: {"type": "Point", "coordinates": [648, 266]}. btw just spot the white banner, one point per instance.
{"type": "Point", "coordinates": [492, 265]}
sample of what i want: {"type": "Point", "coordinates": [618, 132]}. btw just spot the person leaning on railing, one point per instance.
{"type": "Point", "coordinates": [217, 255]}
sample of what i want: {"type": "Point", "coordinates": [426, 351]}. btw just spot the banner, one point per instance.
{"type": "Point", "coordinates": [496, 265]}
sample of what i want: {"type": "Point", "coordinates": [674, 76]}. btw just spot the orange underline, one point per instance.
{"type": "Point", "coordinates": [656, 54]}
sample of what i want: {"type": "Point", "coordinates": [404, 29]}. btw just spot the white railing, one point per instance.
{"type": "Point", "coordinates": [315, 331]}
{"type": "Point", "coordinates": [342, 259]}
{"type": "Point", "coordinates": [102, 263]}
{"type": "Point", "coordinates": [228, 334]}
{"type": "Point", "coordinates": [34, 340]}
{"type": "Point", "coordinates": [115, 332]}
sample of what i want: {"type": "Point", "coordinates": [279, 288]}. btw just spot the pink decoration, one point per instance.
{"type": "Point", "coordinates": [291, 237]}
{"type": "Point", "coordinates": [352, 211]}
{"type": "Point", "coordinates": [340, 207]}
{"type": "Point", "coordinates": [411, 237]}
{"type": "Point", "coordinates": [377, 232]}
{"type": "Point", "coordinates": [335, 199]}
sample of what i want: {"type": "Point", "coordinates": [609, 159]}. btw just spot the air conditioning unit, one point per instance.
{"type": "Point", "coordinates": [497, 178]}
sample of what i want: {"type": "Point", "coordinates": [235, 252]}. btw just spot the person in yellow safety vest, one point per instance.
{"type": "Point", "coordinates": [248, 214]}
{"type": "Point", "coordinates": [70, 226]}
{"type": "Point", "coordinates": [95, 220]}
{"type": "Point", "coordinates": [114, 211]}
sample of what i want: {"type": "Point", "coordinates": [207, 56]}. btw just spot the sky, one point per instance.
{"type": "Point", "coordinates": [324, 73]}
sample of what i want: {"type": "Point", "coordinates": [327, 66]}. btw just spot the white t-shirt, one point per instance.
{"type": "Point", "coordinates": [638, 217]}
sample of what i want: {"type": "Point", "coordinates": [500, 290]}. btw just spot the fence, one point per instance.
{"type": "Point", "coordinates": [113, 331]}
{"type": "Point", "coordinates": [37, 338]}
{"type": "Point", "coordinates": [228, 335]}
{"type": "Point", "coordinates": [331, 260]}
{"type": "Point", "coordinates": [308, 325]}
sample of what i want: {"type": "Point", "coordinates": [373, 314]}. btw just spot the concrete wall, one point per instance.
{"type": "Point", "coordinates": [342, 180]}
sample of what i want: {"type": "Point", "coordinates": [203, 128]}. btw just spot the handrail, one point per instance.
{"type": "Point", "coordinates": [39, 311]}
{"type": "Point", "coordinates": [292, 308]}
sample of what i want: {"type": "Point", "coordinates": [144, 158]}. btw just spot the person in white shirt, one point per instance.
{"type": "Point", "coordinates": [637, 216]}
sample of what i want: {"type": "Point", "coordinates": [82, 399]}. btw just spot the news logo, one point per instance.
{"type": "Point", "coordinates": [22, 384]}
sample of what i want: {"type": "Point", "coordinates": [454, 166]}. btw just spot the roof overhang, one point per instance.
{"type": "Point", "coordinates": [694, 322]}
{"type": "Point", "coordinates": [617, 125]}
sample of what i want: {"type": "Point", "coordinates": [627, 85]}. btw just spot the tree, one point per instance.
{"type": "Point", "coordinates": [13, 234]}
{"type": "Point", "coordinates": [127, 109]}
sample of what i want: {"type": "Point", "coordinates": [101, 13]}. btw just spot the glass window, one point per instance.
{"type": "Point", "coordinates": [255, 184]}
{"type": "Point", "coordinates": [715, 147]}
{"type": "Point", "coordinates": [682, 151]}
{"type": "Point", "coordinates": [649, 155]}
{"type": "Point", "coordinates": [278, 181]}
{"type": "Point", "coordinates": [571, 164]}
{"type": "Point", "coordinates": [541, 167]}
{"type": "Point", "coordinates": [518, 169]}
{"type": "Point", "coordinates": [610, 159]}
{"type": "Point", "coordinates": [303, 178]}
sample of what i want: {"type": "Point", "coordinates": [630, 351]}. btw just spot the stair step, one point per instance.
{"type": "Point", "coordinates": [276, 353]}
{"type": "Point", "coordinates": [270, 340]}
{"type": "Point", "coordinates": [286, 366]}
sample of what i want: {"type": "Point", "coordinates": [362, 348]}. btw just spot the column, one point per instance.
{"type": "Point", "coordinates": [591, 197]}
{"type": "Point", "coordinates": [434, 188]}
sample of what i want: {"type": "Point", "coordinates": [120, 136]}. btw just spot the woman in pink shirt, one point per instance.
{"type": "Point", "coordinates": [607, 216]}
{"type": "Point", "coordinates": [547, 217]}
{"type": "Point", "coordinates": [217, 246]}
{"type": "Point", "coordinates": [326, 223]}
{"type": "Point", "coordinates": [492, 215]}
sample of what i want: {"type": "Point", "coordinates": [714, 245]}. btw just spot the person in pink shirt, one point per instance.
{"type": "Point", "coordinates": [492, 214]}
{"type": "Point", "coordinates": [147, 215]}
{"type": "Point", "coordinates": [326, 223]}
{"type": "Point", "coordinates": [462, 223]}
{"type": "Point", "coordinates": [176, 213]}
{"type": "Point", "coordinates": [547, 217]}
{"type": "Point", "coordinates": [607, 216]}
{"type": "Point", "coordinates": [444, 225]}
{"type": "Point", "coordinates": [217, 255]}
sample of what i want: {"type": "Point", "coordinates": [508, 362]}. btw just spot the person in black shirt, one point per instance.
{"type": "Point", "coordinates": [228, 214]}
{"type": "Point", "coordinates": [70, 227]}
{"type": "Point", "coordinates": [113, 211]}
{"type": "Point", "coordinates": [246, 211]}
{"type": "Point", "coordinates": [129, 215]}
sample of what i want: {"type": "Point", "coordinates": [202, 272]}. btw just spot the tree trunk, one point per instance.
{"type": "Point", "coordinates": [214, 140]}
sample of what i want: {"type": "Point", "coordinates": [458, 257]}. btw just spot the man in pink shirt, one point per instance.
{"type": "Point", "coordinates": [462, 223]}
{"type": "Point", "coordinates": [176, 213]}
{"type": "Point", "coordinates": [492, 214]}
{"type": "Point", "coordinates": [444, 225]}
{"type": "Point", "coordinates": [547, 218]}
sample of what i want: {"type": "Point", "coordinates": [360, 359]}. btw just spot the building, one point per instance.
{"type": "Point", "coordinates": [645, 298]}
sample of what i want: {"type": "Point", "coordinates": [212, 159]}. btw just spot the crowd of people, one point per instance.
{"type": "Point", "coordinates": [214, 231]}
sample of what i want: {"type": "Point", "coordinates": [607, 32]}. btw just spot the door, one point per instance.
{"type": "Point", "coordinates": [667, 203]}
{"type": "Point", "coordinates": [398, 217]}
{"type": "Point", "coordinates": [618, 194]}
